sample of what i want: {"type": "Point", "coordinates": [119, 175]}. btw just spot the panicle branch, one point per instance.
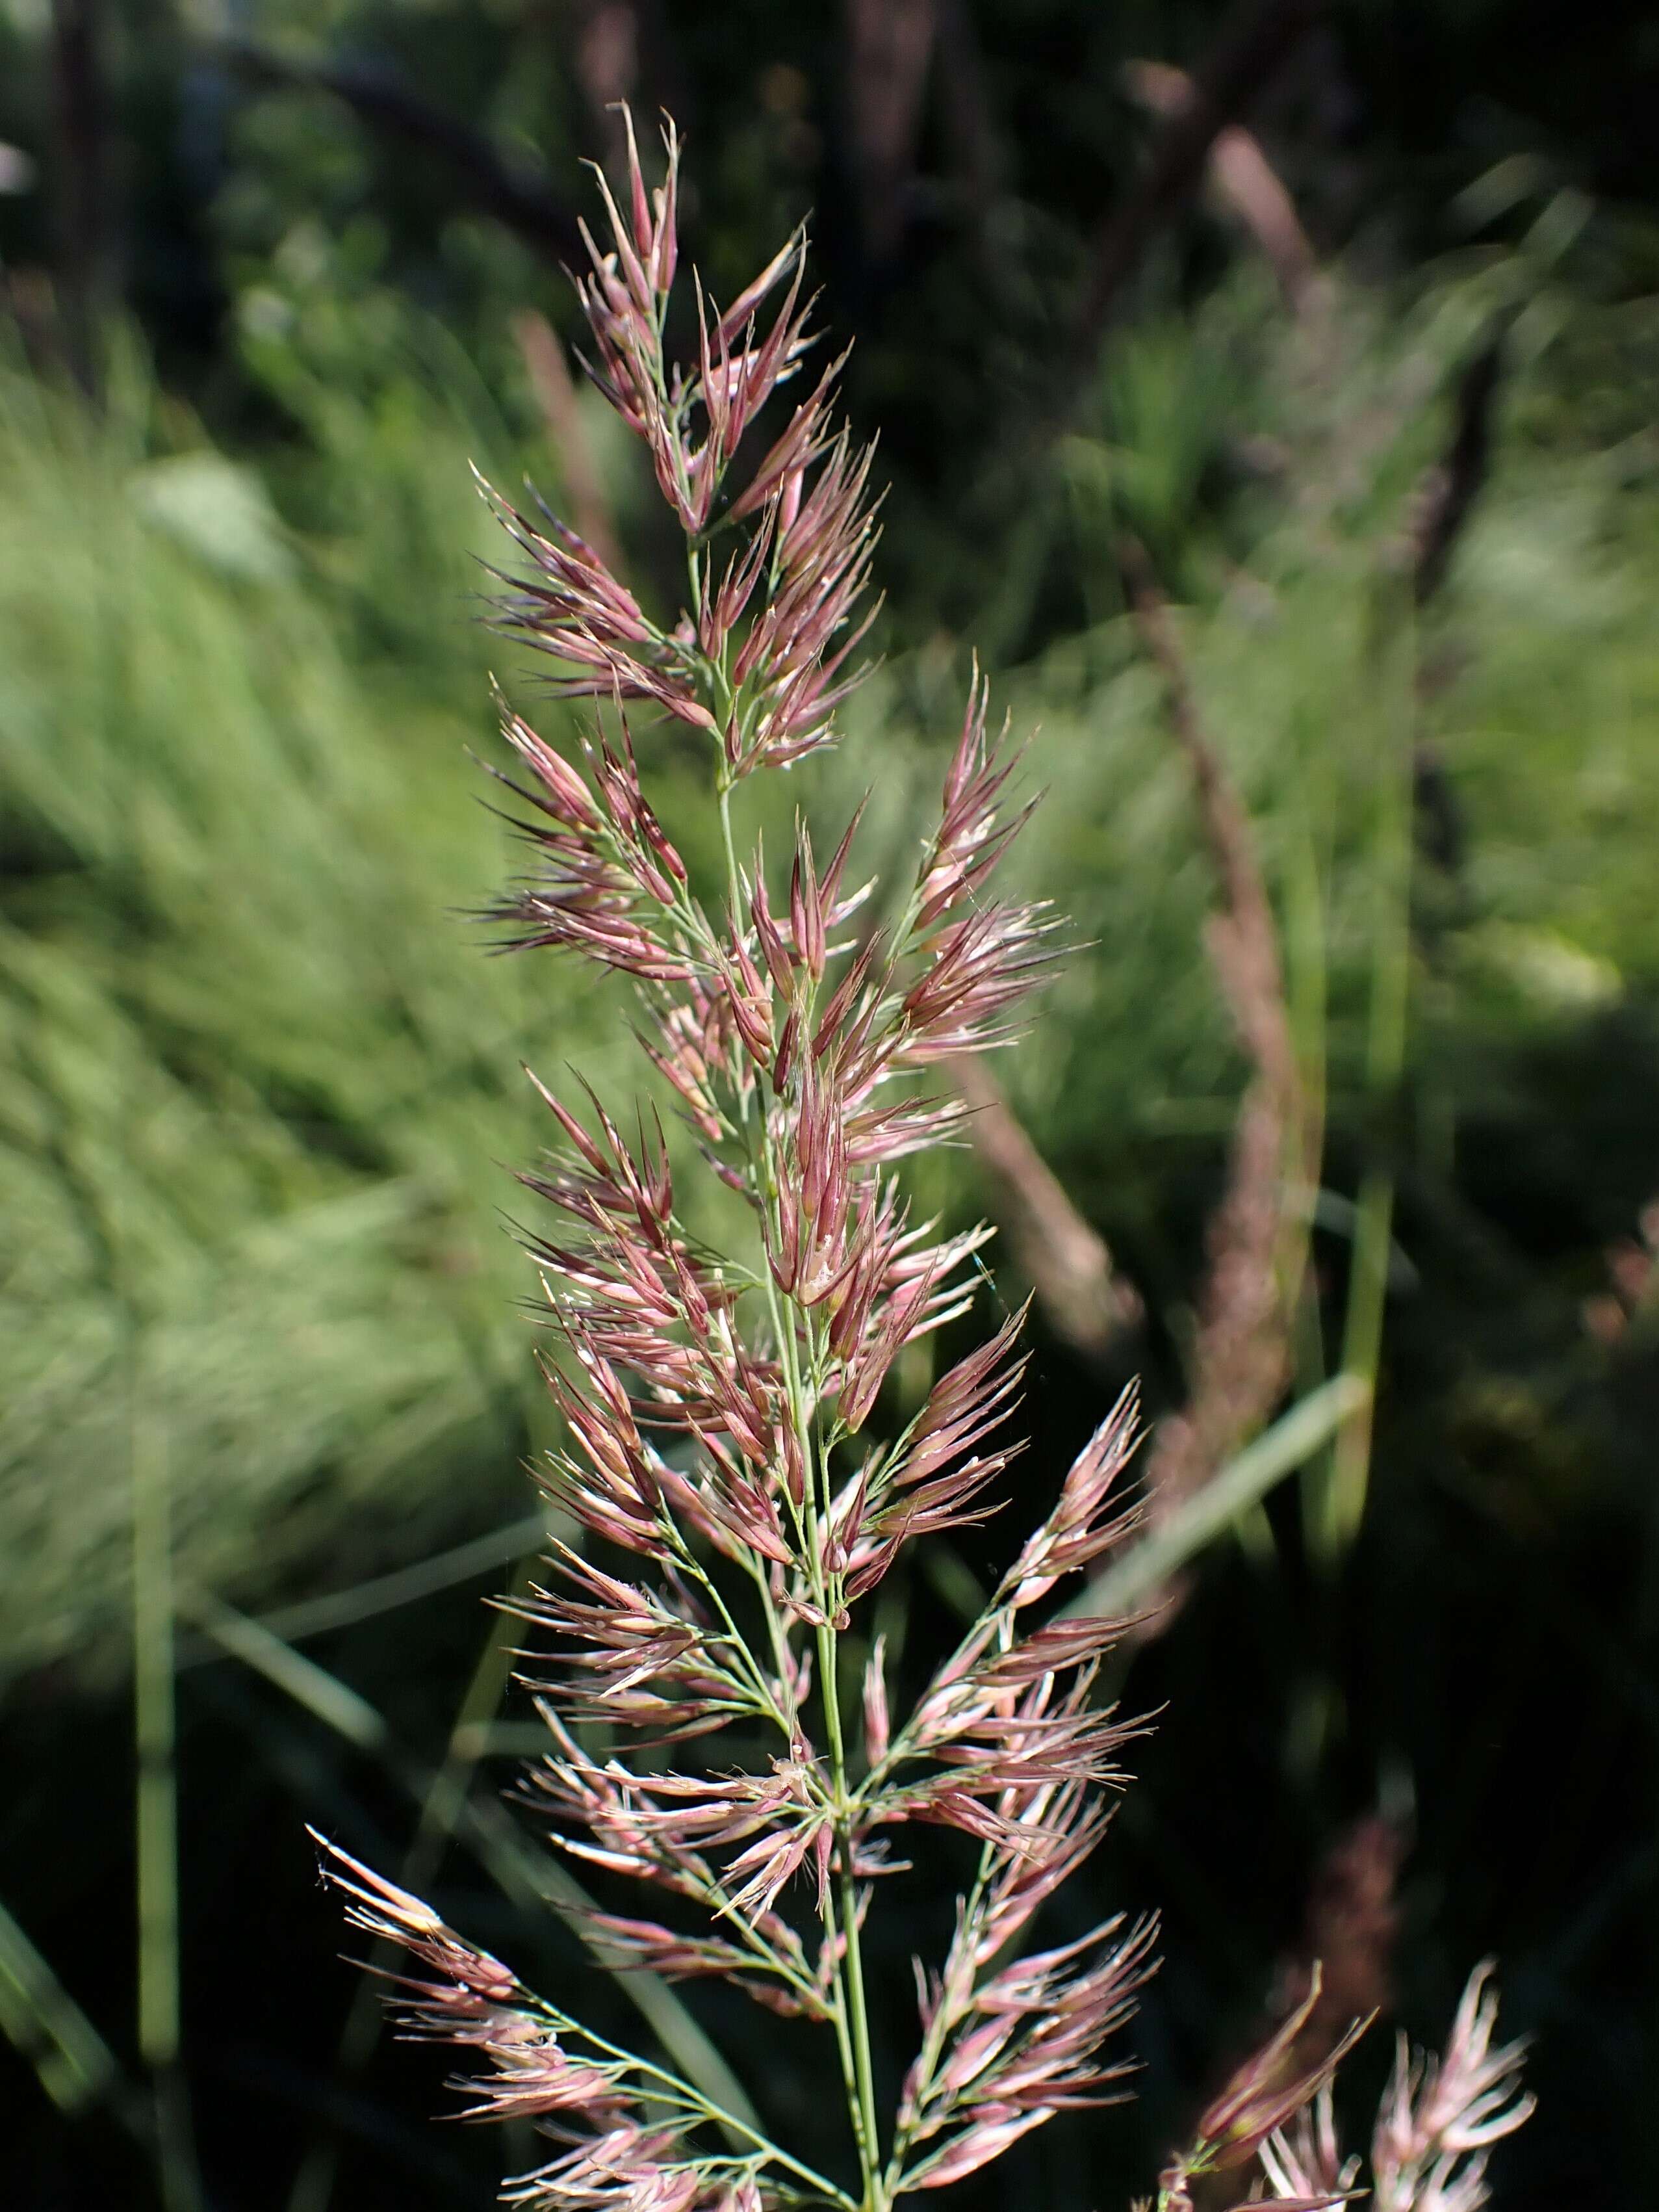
{"type": "Point", "coordinates": [626, 2122]}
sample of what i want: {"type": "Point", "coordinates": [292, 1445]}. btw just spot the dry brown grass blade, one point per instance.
{"type": "Point", "coordinates": [605, 57]}
{"type": "Point", "coordinates": [889, 47]}
{"type": "Point", "coordinates": [1349, 1931]}
{"type": "Point", "coordinates": [1231, 77]}
{"type": "Point", "coordinates": [1256, 1238]}
{"type": "Point", "coordinates": [549, 375]}
{"type": "Point", "coordinates": [1242, 179]}
{"type": "Point", "coordinates": [1067, 1262]}
{"type": "Point", "coordinates": [1244, 938]}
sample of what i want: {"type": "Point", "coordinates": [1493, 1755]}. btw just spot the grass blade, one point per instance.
{"type": "Point", "coordinates": [1278, 1451]}
{"type": "Point", "coordinates": [405, 1585]}
{"type": "Point", "coordinates": [43, 2022]}
{"type": "Point", "coordinates": [1344, 1502]}
{"type": "Point", "coordinates": [155, 1742]}
{"type": "Point", "coordinates": [322, 1694]}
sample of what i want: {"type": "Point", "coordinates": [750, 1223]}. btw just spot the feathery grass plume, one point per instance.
{"type": "Point", "coordinates": [1438, 2121]}
{"type": "Point", "coordinates": [1260, 2099]}
{"type": "Point", "coordinates": [717, 1406]}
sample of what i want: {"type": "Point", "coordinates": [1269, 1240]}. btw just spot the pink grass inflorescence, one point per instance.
{"type": "Point", "coordinates": [714, 1407]}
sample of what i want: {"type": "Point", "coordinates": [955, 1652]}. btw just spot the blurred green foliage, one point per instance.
{"type": "Point", "coordinates": [258, 1074]}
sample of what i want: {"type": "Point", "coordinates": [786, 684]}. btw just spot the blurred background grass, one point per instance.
{"type": "Point", "coordinates": [262, 1350]}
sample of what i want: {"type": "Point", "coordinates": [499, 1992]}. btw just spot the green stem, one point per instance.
{"type": "Point", "coordinates": [155, 1742]}
{"type": "Point", "coordinates": [862, 2088]}
{"type": "Point", "coordinates": [874, 2189]}
{"type": "Point", "coordinates": [849, 2012]}
{"type": "Point", "coordinates": [154, 1725]}
{"type": "Point", "coordinates": [1385, 1060]}
{"type": "Point", "coordinates": [1362, 1351]}
{"type": "Point", "coordinates": [76, 2067]}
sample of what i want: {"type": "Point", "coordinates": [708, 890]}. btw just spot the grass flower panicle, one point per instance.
{"type": "Point", "coordinates": [715, 1406]}
{"type": "Point", "coordinates": [1438, 2121]}
{"type": "Point", "coordinates": [1441, 2116]}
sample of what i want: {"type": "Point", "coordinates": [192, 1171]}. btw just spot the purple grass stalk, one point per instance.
{"type": "Point", "coordinates": [716, 1407]}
